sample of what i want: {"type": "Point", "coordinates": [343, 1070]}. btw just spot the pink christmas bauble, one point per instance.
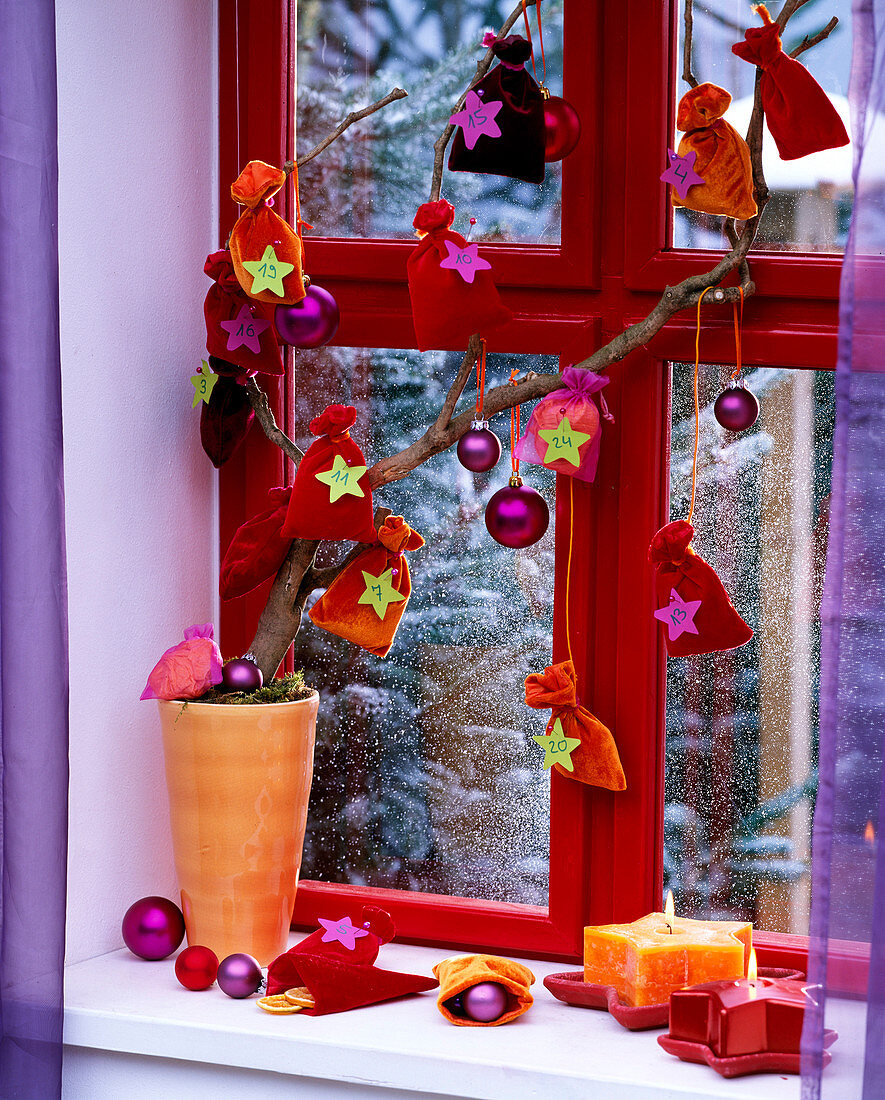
{"type": "Point", "coordinates": [309, 323]}
{"type": "Point", "coordinates": [153, 927]}
{"type": "Point", "coordinates": [479, 448]}
{"type": "Point", "coordinates": [562, 128]}
{"type": "Point", "coordinates": [196, 967]}
{"type": "Point", "coordinates": [517, 515]}
{"type": "Point", "coordinates": [736, 408]}
{"type": "Point", "coordinates": [484, 1002]}
{"type": "Point", "coordinates": [241, 674]}
{"type": "Point", "coordinates": [239, 975]}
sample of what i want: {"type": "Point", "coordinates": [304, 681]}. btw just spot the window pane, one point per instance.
{"type": "Point", "coordinates": [742, 726]}
{"type": "Point", "coordinates": [426, 775]}
{"type": "Point", "coordinates": [811, 198]}
{"type": "Point", "coordinates": [371, 181]}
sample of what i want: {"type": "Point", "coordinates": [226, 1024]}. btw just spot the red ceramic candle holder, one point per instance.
{"type": "Point", "coordinates": [740, 1026]}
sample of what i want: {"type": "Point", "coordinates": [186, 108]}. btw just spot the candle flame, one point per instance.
{"type": "Point", "coordinates": [869, 834]}
{"type": "Point", "coordinates": [670, 910]}
{"type": "Point", "coordinates": [752, 968]}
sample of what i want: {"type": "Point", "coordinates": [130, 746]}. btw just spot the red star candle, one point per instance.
{"type": "Point", "coordinates": [646, 960]}
{"type": "Point", "coordinates": [748, 1016]}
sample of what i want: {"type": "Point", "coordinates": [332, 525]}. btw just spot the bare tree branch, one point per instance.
{"type": "Point", "coordinates": [482, 67]}
{"type": "Point", "coordinates": [265, 417]}
{"type": "Point", "coordinates": [474, 350]}
{"type": "Point", "coordinates": [812, 40]}
{"type": "Point", "coordinates": [687, 74]}
{"type": "Point", "coordinates": [280, 620]}
{"type": "Point", "coordinates": [354, 116]}
{"type": "Point", "coordinates": [788, 11]}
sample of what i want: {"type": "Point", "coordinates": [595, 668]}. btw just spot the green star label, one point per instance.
{"type": "Point", "coordinates": [203, 384]}
{"type": "Point", "coordinates": [563, 442]}
{"type": "Point", "coordinates": [557, 747]}
{"type": "Point", "coordinates": [380, 592]}
{"type": "Point", "coordinates": [342, 479]}
{"type": "Point", "coordinates": [268, 273]}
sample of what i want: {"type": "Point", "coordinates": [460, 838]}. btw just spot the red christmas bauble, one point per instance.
{"type": "Point", "coordinates": [562, 128]}
{"type": "Point", "coordinates": [196, 967]}
{"type": "Point", "coordinates": [153, 927]}
{"type": "Point", "coordinates": [736, 408]}
{"type": "Point", "coordinates": [309, 323]}
{"type": "Point", "coordinates": [517, 515]}
{"type": "Point", "coordinates": [479, 448]}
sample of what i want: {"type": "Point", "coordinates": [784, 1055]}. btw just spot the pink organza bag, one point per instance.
{"type": "Point", "coordinates": [565, 431]}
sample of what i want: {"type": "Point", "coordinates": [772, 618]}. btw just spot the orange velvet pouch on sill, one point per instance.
{"type": "Point", "coordinates": [596, 760]}
{"type": "Point", "coordinates": [722, 156]}
{"type": "Point", "coordinates": [266, 251]}
{"type": "Point", "coordinates": [457, 975]}
{"type": "Point", "coordinates": [366, 601]}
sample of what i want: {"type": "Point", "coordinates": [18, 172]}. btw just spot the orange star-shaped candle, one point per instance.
{"type": "Point", "coordinates": [646, 960]}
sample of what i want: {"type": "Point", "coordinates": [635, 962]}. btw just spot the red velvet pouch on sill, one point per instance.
{"type": "Point", "coordinates": [722, 158]}
{"type": "Point", "coordinates": [258, 549]}
{"type": "Point", "coordinates": [595, 761]}
{"type": "Point", "coordinates": [507, 139]}
{"type": "Point", "coordinates": [450, 284]}
{"type": "Point", "coordinates": [798, 111]}
{"type": "Point", "coordinates": [250, 340]}
{"type": "Point", "coordinates": [336, 965]}
{"type": "Point", "coordinates": [226, 419]}
{"type": "Point", "coordinates": [331, 498]}
{"type": "Point", "coordinates": [263, 241]}
{"type": "Point", "coordinates": [691, 602]}
{"type": "Point", "coordinates": [366, 601]}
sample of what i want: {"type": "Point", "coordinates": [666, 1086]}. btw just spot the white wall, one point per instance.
{"type": "Point", "coordinates": [137, 126]}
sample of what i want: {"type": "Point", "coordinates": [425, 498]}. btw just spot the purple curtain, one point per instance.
{"type": "Point", "coordinates": [848, 854]}
{"type": "Point", "coordinates": [33, 597]}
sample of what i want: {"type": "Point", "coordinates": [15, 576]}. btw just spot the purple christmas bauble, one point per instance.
{"type": "Point", "coordinates": [517, 515]}
{"type": "Point", "coordinates": [479, 448]}
{"type": "Point", "coordinates": [485, 1001]}
{"type": "Point", "coordinates": [153, 927]}
{"type": "Point", "coordinates": [736, 408]}
{"type": "Point", "coordinates": [239, 976]}
{"type": "Point", "coordinates": [562, 128]}
{"type": "Point", "coordinates": [241, 674]}
{"type": "Point", "coordinates": [309, 323]}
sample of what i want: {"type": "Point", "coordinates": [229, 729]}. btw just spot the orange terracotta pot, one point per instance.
{"type": "Point", "coordinates": [239, 782]}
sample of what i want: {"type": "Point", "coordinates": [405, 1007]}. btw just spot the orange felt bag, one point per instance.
{"type": "Point", "coordinates": [366, 601]}
{"type": "Point", "coordinates": [595, 760]}
{"type": "Point", "coordinates": [722, 156]}
{"type": "Point", "coordinates": [266, 251]}
{"type": "Point", "coordinates": [458, 974]}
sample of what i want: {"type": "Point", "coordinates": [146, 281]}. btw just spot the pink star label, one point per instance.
{"type": "Point", "coordinates": [342, 931]}
{"type": "Point", "coordinates": [244, 329]}
{"type": "Point", "coordinates": [466, 261]}
{"type": "Point", "coordinates": [681, 172]}
{"type": "Point", "coordinates": [477, 119]}
{"type": "Point", "coordinates": [678, 615]}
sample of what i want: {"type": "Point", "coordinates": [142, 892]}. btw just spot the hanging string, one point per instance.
{"type": "Point", "coordinates": [697, 407]}
{"type": "Point", "coordinates": [528, 34]}
{"type": "Point", "coordinates": [480, 379]}
{"type": "Point", "coordinates": [738, 325]}
{"type": "Point", "coordinates": [514, 428]}
{"type": "Point", "coordinates": [568, 564]}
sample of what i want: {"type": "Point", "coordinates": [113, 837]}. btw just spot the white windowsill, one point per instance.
{"type": "Point", "coordinates": [117, 1003]}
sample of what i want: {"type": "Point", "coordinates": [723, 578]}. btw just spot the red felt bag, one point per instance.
{"type": "Point", "coordinates": [500, 129]}
{"type": "Point", "coordinates": [798, 111]}
{"type": "Point", "coordinates": [266, 251]}
{"type": "Point", "coordinates": [258, 549]}
{"type": "Point", "coordinates": [331, 497]}
{"type": "Point", "coordinates": [336, 966]}
{"type": "Point", "coordinates": [226, 419]}
{"type": "Point", "coordinates": [366, 601]}
{"type": "Point", "coordinates": [249, 339]}
{"type": "Point", "coordinates": [564, 432]}
{"type": "Point", "coordinates": [450, 284]}
{"type": "Point", "coordinates": [690, 601]}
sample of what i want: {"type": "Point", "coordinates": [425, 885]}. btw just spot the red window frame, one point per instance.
{"type": "Point", "coordinates": [606, 849]}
